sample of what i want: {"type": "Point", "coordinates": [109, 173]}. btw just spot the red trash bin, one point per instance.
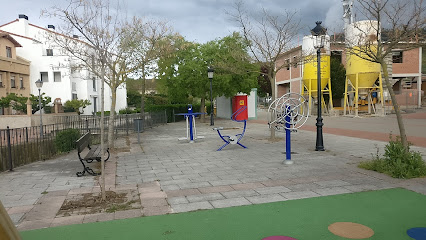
{"type": "Point", "coordinates": [238, 102]}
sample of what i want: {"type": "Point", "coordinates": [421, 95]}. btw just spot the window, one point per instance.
{"type": "Point", "coordinates": [94, 83]}
{"type": "Point", "coordinates": [1, 81]}
{"type": "Point", "coordinates": [397, 57]}
{"type": "Point", "coordinates": [56, 76]}
{"type": "Point", "coordinates": [295, 61]}
{"type": "Point", "coordinates": [12, 82]}
{"type": "Point", "coordinates": [49, 52]}
{"type": "Point", "coordinates": [74, 96]}
{"type": "Point", "coordinates": [44, 76]}
{"type": "Point", "coordinates": [74, 87]}
{"type": "Point", "coordinates": [21, 82]}
{"type": "Point", "coordinates": [9, 52]}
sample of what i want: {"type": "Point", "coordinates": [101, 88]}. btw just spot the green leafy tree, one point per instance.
{"type": "Point", "coordinates": [338, 77]}
{"type": "Point", "coordinates": [19, 103]}
{"type": "Point", "coordinates": [77, 104]}
{"type": "Point", "coordinates": [184, 73]}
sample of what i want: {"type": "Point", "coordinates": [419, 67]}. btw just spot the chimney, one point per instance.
{"type": "Point", "coordinates": [51, 27]}
{"type": "Point", "coordinates": [23, 25]}
{"type": "Point", "coordinates": [75, 36]}
{"type": "Point", "coordinates": [23, 16]}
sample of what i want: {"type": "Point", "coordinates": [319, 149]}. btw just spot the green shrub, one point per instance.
{"type": "Point", "coordinates": [48, 109]}
{"type": "Point", "coordinates": [172, 109]}
{"type": "Point", "coordinates": [65, 140]}
{"type": "Point", "coordinates": [106, 113]}
{"type": "Point", "coordinates": [127, 111]}
{"type": "Point", "coordinates": [397, 162]}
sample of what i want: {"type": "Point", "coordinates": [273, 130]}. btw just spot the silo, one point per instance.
{"type": "Point", "coordinates": [362, 74]}
{"type": "Point", "coordinates": [310, 67]}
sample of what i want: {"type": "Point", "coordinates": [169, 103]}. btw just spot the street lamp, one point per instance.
{"type": "Point", "coordinates": [318, 34]}
{"type": "Point", "coordinates": [39, 84]}
{"type": "Point", "coordinates": [210, 72]}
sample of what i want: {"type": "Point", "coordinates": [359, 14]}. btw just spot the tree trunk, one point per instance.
{"type": "Point", "coordinates": [203, 109]}
{"type": "Point", "coordinates": [272, 81]}
{"type": "Point", "coordinates": [143, 96]}
{"type": "Point", "coordinates": [395, 106]}
{"type": "Point", "coordinates": [101, 125]}
{"type": "Point", "coordinates": [112, 118]}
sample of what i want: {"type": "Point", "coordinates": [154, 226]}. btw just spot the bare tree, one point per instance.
{"type": "Point", "coordinates": [99, 50]}
{"type": "Point", "coordinates": [269, 36]}
{"type": "Point", "coordinates": [148, 40]}
{"type": "Point", "coordinates": [394, 24]}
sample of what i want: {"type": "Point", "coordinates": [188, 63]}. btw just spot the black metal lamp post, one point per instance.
{"type": "Point", "coordinates": [210, 75]}
{"type": "Point", "coordinates": [39, 84]}
{"type": "Point", "coordinates": [318, 34]}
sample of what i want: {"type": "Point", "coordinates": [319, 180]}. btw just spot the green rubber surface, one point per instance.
{"type": "Point", "coordinates": [390, 213]}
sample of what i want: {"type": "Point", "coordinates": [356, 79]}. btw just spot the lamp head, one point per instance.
{"type": "Point", "coordinates": [39, 84]}
{"type": "Point", "coordinates": [210, 72]}
{"type": "Point", "coordinates": [319, 32]}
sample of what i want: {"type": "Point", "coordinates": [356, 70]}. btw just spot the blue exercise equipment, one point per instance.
{"type": "Point", "coordinates": [191, 131]}
{"type": "Point", "coordinates": [289, 113]}
{"type": "Point", "coordinates": [233, 139]}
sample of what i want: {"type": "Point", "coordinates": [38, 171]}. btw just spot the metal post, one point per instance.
{"type": "Point", "coordinates": [319, 142]}
{"type": "Point", "coordinates": [287, 137]}
{"type": "Point", "coordinates": [127, 124]}
{"type": "Point", "coordinates": [211, 102]}
{"type": "Point", "coordinates": [9, 148]}
{"type": "Point", "coordinates": [41, 117]}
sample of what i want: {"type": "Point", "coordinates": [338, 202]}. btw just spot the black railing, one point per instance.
{"type": "Point", "coordinates": [20, 146]}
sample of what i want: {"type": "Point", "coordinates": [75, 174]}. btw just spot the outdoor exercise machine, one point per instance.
{"type": "Point", "coordinates": [233, 139]}
{"type": "Point", "coordinates": [288, 113]}
{"type": "Point", "coordinates": [191, 131]}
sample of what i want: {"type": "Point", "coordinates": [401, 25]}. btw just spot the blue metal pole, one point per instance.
{"type": "Point", "coordinates": [287, 136]}
{"type": "Point", "coordinates": [190, 116]}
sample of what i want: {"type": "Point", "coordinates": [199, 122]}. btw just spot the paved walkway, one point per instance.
{"type": "Point", "coordinates": [175, 176]}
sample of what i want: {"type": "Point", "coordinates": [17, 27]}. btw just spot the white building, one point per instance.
{"type": "Point", "coordinates": [53, 66]}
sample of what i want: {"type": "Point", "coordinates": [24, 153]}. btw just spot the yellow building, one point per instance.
{"type": "Point", "coordinates": [14, 70]}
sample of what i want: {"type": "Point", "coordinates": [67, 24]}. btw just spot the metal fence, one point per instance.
{"type": "Point", "coordinates": [20, 146]}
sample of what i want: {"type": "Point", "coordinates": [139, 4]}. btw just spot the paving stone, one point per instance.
{"type": "Point", "coordinates": [331, 191]}
{"type": "Point", "coordinates": [154, 202]}
{"type": "Point", "coordinates": [152, 195]}
{"type": "Point", "coordinates": [361, 188]}
{"type": "Point", "coordinates": [149, 189]}
{"type": "Point", "coordinates": [205, 197]}
{"type": "Point", "coordinates": [303, 186]}
{"type": "Point", "coordinates": [215, 189]}
{"type": "Point", "coordinates": [132, 213]}
{"type": "Point", "coordinates": [188, 207]}
{"type": "Point", "coordinates": [177, 200]}
{"type": "Point", "coordinates": [20, 209]}
{"type": "Point", "coordinates": [247, 186]}
{"type": "Point", "coordinates": [266, 198]}
{"type": "Point", "coordinates": [182, 192]}
{"type": "Point", "coordinates": [272, 190]}
{"type": "Point", "coordinates": [36, 224]}
{"type": "Point", "coordinates": [332, 183]}
{"type": "Point", "coordinates": [194, 185]}
{"type": "Point", "coordinates": [153, 211]}
{"type": "Point", "coordinates": [224, 182]}
{"type": "Point", "coordinates": [299, 195]}
{"type": "Point", "coordinates": [16, 217]}
{"type": "Point", "coordinates": [98, 217]}
{"type": "Point", "coordinates": [230, 202]}
{"type": "Point", "coordinates": [236, 194]}
{"type": "Point", "coordinates": [62, 221]}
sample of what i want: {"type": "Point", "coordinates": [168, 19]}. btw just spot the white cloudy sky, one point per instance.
{"type": "Point", "coordinates": [196, 20]}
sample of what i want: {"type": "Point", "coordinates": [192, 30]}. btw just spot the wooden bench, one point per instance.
{"type": "Point", "coordinates": [93, 153]}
